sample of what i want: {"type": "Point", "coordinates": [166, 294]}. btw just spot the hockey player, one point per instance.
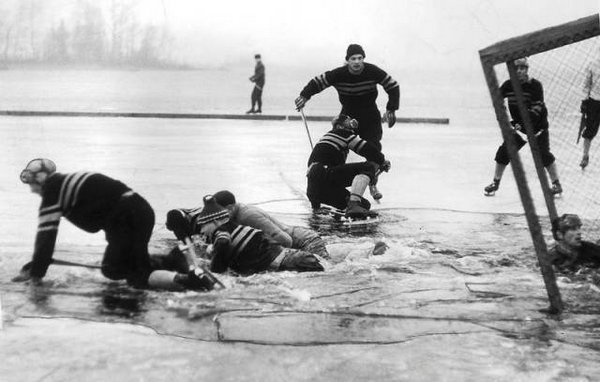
{"type": "Point", "coordinates": [570, 252]}
{"type": "Point", "coordinates": [538, 114]}
{"type": "Point", "coordinates": [244, 249]}
{"type": "Point", "coordinates": [329, 175]}
{"type": "Point", "coordinates": [356, 84]}
{"type": "Point", "coordinates": [93, 202]}
{"type": "Point", "coordinates": [184, 224]}
{"type": "Point", "coordinates": [295, 237]}
{"type": "Point", "coordinates": [590, 108]}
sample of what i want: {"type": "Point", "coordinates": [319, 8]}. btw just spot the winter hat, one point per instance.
{"type": "Point", "coordinates": [344, 121]}
{"type": "Point", "coordinates": [224, 198]}
{"type": "Point", "coordinates": [37, 170]}
{"type": "Point", "coordinates": [212, 211]}
{"type": "Point", "coordinates": [257, 56]}
{"type": "Point", "coordinates": [521, 62]}
{"type": "Point", "coordinates": [354, 49]}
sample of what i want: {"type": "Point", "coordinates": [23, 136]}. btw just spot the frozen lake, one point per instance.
{"type": "Point", "coordinates": [457, 296]}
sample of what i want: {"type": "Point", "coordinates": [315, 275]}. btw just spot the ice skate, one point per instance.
{"type": "Point", "coordinates": [556, 189]}
{"type": "Point", "coordinates": [491, 189]}
{"type": "Point", "coordinates": [251, 111]}
{"type": "Point", "coordinates": [375, 193]}
{"type": "Point", "coordinates": [356, 211]}
{"type": "Point", "coordinates": [585, 160]}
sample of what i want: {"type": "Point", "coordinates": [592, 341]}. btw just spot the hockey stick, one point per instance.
{"type": "Point", "coordinates": [75, 264]}
{"type": "Point", "coordinates": [189, 253]}
{"type": "Point", "coordinates": [306, 126]}
{"type": "Point", "coordinates": [581, 126]}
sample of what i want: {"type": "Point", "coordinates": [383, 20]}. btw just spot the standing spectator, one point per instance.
{"type": "Point", "coordinates": [259, 82]}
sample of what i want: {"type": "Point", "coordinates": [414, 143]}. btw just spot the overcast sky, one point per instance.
{"type": "Point", "coordinates": [413, 32]}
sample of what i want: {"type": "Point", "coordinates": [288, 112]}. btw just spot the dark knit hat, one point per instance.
{"type": "Point", "coordinates": [354, 49]}
{"type": "Point", "coordinates": [212, 211]}
{"type": "Point", "coordinates": [224, 198]}
{"type": "Point", "coordinates": [257, 55]}
{"type": "Point", "coordinates": [564, 223]}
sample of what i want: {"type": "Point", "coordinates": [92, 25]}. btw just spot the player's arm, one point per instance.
{"type": "Point", "coordinates": [45, 240]}
{"type": "Point", "coordinates": [365, 149]}
{"type": "Point", "coordinates": [392, 88]}
{"type": "Point", "coordinates": [222, 251]}
{"type": "Point", "coordinates": [315, 86]}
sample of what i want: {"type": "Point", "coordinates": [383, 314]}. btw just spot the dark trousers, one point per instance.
{"type": "Point", "coordinates": [256, 98]}
{"type": "Point", "coordinates": [329, 187]}
{"type": "Point", "coordinates": [592, 119]}
{"type": "Point", "coordinates": [369, 123]}
{"type": "Point", "coordinates": [128, 232]}
{"type": "Point", "coordinates": [543, 141]}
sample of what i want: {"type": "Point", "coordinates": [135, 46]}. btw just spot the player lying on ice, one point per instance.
{"type": "Point", "coordinates": [570, 252]}
{"type": "Point", "coordinates": [184, 223]}
{"type": "Point", "coordinates": [241, 248]}
{"type": "Point", "coordinates": [94, 202]}
{"type": "Point", "coordinates": [329, 174]}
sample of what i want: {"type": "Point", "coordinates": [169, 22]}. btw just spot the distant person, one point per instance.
{"type": "Point", "coordinates": [243, 249]}
{"type": "Point", "coordinates": [184, 222]}
{"type": "Point", "coordinates": [328, 173]}
{"type": "Point", "coordinates": [94, 202]}
{"type": "Point", "coordinates": [570, 252]}
{"type": "Point", "coordinates": [538, 114]}
{"type": "Point", "coordinates": [590, 108]}
{"type": "Point", "coordinates": [259, 82]}
{"type": "Point", "coordinates": [356, 84]}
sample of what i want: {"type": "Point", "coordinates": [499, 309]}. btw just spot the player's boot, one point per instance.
{"type": "Point", "coordinates": [251, 111]}
{"type": "Point", "coordinates": [375, 193]}
{"type": "Point", "coordinates": [556, 189]}
{"type": "Point", "coordinates": [585, 160]}
{"type": "Point", "coordinates": [491, 189]}
{"type": "Point", "coordinates": [356, 211]}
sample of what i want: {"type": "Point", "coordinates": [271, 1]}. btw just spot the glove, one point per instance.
{"type": "Point", "coordinates": [300, 102]}
{"type": "Point", "coordinates": [584, 106]}
{"type": "Point", "coordinates": [386, 166]}
{"type": "Point", "coordinates": [390, 118]}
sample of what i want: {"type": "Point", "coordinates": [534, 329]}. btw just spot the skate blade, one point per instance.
{"type": "Point", "coordinates": [489, 193]}
{"type": "Point", "coordinates": [360, 222]}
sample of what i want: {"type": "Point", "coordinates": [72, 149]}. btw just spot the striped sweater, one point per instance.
{"type": "Point", "coordinates": [86, 199]}
{"type": "Point", "coordinates": [332, 149]}
{"type": "Point", "coordinates": [356, 91]}
{"type": "Point", "coordinates": [243, 249]}
{"type": "Point", "coordinates": [533, 92]}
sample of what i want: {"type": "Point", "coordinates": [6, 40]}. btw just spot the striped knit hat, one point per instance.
{"type": "Point", "coordinates": [212, 211]}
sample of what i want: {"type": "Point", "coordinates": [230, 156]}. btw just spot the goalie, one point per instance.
{"type": "Point", "coordinates": [534, 100]}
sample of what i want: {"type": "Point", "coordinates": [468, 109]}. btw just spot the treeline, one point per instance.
{"type": "Point", "coordinates": [81, 32]}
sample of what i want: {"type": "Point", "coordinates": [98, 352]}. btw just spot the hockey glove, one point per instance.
{"type": "Point", "coordinates": [300, 102]}
{"type": "Point", "coordinates": [386, 166]}
{"type": "Point", "coordinates": [390, 118]}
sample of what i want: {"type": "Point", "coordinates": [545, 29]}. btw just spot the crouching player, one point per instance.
{"type": "Point", "coordinates": [94, 202]}
{"type": "Point", "coordinates": [241, 248]}
{"type": "Point", "coordinates": [329, 174]}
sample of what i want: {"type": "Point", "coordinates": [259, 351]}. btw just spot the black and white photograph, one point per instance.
{"type": "Point", "coordinates": [274, 190]}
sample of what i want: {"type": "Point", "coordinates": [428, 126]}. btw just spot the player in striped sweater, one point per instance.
{"type": "Point", "coordinates": [533, 93]}
{"type": "Point", "coordinates": [329, 174]}
{"type": "Point", "coordinates": [241, 248]}
{"type": "Point", "coordinates": [94, 202]}
{"type": "Point", "coordinates": [356, 84]}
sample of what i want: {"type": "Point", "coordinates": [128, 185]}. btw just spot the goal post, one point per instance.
{"type": "Point", "coordinates": [558, 57]}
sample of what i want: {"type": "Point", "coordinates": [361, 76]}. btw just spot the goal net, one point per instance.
{"type": "Point", "coordinates": [558, 57]}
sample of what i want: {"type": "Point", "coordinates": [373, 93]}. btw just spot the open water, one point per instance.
{"type": "Point", "coordinates": [457, 296]}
